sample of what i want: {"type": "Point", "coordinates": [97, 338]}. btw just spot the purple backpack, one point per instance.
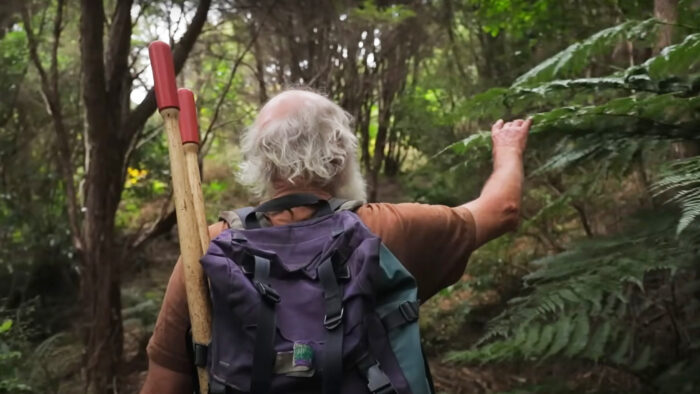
{"type": "Point", "coordinates": [318, 306]}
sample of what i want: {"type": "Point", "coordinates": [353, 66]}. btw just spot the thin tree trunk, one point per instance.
{"type": "Point", "coordinates": [666, 11]}
{"type": "Point", "coordinates": [260, 72]}
{"type": "Point", "coordinates": [377, 159]}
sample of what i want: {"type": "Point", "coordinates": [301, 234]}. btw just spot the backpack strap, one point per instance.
{"type": "Point", "coordinates": [406, 312]}
{"type": "Point", "coordinates": [338, 204]}
{"type": "Point", "coordinates": [332, 362]}
{"type": "Point", "coordinates": [263, 351]}
{"type": "Point", "coordinates": [236, 219]}
{"type": "Point", "coordinates": [232, 218]}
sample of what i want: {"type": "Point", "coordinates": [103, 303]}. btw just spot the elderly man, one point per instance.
{"type": "Point", "coordinates": [301, 142]}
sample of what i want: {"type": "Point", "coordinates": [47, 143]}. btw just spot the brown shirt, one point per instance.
{"type": "Point", "coordinates": [432, 241]}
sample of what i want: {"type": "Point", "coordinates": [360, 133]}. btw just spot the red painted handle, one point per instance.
{"type": "Point", "coordinates": [189, 129]}
{"type": "Point", "coordinates": [163, 74]}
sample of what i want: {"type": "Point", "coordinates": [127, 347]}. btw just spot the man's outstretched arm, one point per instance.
{"type": "Point", "coordinates": [497, 210]}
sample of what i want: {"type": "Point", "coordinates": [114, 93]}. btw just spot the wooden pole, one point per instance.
{"type": "Point", "coordinates": [189, 131]}
{"type": "Point", "coordinates": [190, 245]}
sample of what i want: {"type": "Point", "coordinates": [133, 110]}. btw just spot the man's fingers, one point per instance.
{"type": "Point", "coordinates": [497, 126]}
{"type": "Point", "coordinates": [518, 123]}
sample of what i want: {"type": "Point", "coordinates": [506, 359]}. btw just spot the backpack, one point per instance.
{"type": "Point", "coordinates": [319, 305]}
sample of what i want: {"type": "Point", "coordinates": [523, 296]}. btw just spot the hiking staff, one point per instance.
{"type": "Point", "coordinates": [190, 240]}
{"type": "Point", "coordinates": [189, 131]}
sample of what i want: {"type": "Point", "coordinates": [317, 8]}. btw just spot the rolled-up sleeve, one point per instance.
{"type": "Point", "coordinates": [167, 346]}
{"type": "Point", "coordinates": [433, 242]}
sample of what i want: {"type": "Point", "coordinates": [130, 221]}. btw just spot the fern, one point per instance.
{"type": "Point", "coordinates": [595, 301]}
{"type": "Point", "coordinates": [578, 56]}
{"type": "Point", "coordinates": [683, 179]}
{"type": "Point", "coordinates": [577, 302]}
{"type": "Point", "coordinates": [655, 100]}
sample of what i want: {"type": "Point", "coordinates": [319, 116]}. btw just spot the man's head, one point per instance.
{"type": "Point", "coordinates": [303, 140]}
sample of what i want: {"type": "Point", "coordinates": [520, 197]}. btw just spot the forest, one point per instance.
{"type": "Point", "coordinates": [598, 291]}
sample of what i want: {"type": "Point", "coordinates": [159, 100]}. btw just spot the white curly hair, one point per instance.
{"type": "Point", "coordinates": [301, 138]}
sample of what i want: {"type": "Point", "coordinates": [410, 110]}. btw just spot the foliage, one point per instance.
{"type": "Point", "coordinates": [579, 55]}
{"type": "Point", "coordinates": [607, 299]}
{"type": "Point", "coordinates": [585, 294]}
{"type": "Point", "coordinates": [416, 76]}
{"type": "Point", "coordinates": [650, 102]}
{"type": "Point", "coordinates": [9, 375]}
{"type": "Point", "coordinates": [682, 179]}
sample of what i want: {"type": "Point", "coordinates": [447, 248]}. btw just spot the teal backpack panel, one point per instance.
{"type": "Point", "coordinates": [395, 287]}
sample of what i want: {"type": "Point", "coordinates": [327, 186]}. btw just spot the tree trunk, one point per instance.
{"type": "Point", "coordinates": [666, 11]}
{"type": "Point", "coordinates": [110, 130]}
{"type": "Point", "coordinates": [103, 185]}
{"type": "Point", "coordinates": [378, 156]}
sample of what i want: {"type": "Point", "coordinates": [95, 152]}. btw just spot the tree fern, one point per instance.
{"type": "Point", "coordinates": [594, 301]}
{"type": "Point", "coordinates": [655, 100]}
{"type": "Point", "coordinates": [683, 179]}
{"type": "Point", "coordinates": [576, 303]}
{"type": "Point", "coordinates": [578, 56]}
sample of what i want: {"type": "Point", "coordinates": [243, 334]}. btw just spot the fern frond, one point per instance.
{"type": "Point", "coordinates": [680, 59]}
{"type": "Point", "coordinates": [578, 56]}
{"type": "Point", "coordinates": [575, 304]}
{"type": "Point", "coordinates": [682, 178]}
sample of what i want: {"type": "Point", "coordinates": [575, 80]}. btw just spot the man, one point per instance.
{"type": "Point", "coordinates": [301, 142]}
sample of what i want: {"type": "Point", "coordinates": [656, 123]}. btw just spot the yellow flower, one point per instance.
{"type": "Point", "coordinates": [134, 175]}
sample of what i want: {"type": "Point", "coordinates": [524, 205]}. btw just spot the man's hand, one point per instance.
{"type": "Point", "coordinates": [510, 135]}
{"type": "Point", "coordinates": [497, 210]}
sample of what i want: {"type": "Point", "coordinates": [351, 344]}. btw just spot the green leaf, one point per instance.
{"type": "Point", "coordinates": [675, 59]}
{"type": "Point", "coordinates": [533, 335]}
{"type": "Point", "coordinates": [643, 361]}
{"type": "Point", "coordinates": [579, 336]}
{"type": "Point", "coordinates": [596, 346]}
{"type": "Point", "coordinates": [562, 334]}
{"type": "Point", "coordinates": [5, 326]}
{"type": "Point", "coordinates": [618, 356]}
{"type": "Point", "coordinates": [545, 339]}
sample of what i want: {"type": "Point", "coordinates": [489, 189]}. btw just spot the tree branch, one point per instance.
{"type": "Point", "coordinates": [57, 28]}
{"type": "Point", "coordinates": [52, 99]}
{"type": "Point", "coordinates": [229, 82]}
{"type": "Point", "coordinates": [166, 220]}
{"type": "Point", "coordinates": [92, 57]}
{"type": "Point", "coordinates": [117, 56]}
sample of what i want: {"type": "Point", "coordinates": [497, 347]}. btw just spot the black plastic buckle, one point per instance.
{"type": "Point", "coordinates": [343, 272]}
{"type": "Point", "coordinates": [248, 267]}
{"type": "Point", "coordinates": [268, 293]}
{"type": "Point", "coordinates": [332, 322]}
{"type": "Point", "coordinates": [200, 354]}
{"type": "Point", "coordinates": [377, 381]}
{"type": "Point", "coordinates": [409, 311]}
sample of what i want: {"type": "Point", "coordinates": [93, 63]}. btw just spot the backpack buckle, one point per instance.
{"type": "Point", "coordinates": [268, 293]}
{"type": "Point", "coordinates": [409, 311]}
{"type": "Point", "coordinates": [378, 382]}
{"type": "Point", "coordinates": [332, 322]}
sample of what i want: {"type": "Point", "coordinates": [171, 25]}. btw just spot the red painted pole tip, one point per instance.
{"type": "Point", "coordinates": [163, 74]}
{"type": "Point", "coordinates": [189, 129]}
